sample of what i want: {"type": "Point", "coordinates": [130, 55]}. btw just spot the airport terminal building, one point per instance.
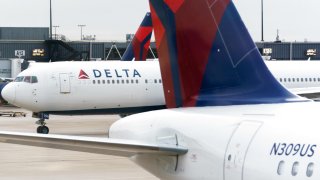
{"type": "Point", "coordinates": [33, 43]}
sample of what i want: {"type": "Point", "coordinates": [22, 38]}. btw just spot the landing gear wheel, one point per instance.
{"type": "Point", "coordinates": [39, 129]}
{"type": "Point", "coordinates": [43, 130]}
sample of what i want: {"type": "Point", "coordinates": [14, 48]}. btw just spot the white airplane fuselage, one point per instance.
{"type": "Point", "coordinates": [296, 74]}
{"type": "Point", "coordinates": [121, 87]}
{"type": "Point", "coordinates": [102, 87]}
{"type": "Point", "coordinates": [242, 142]}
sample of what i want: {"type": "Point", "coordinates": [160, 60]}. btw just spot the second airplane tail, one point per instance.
{"type": "Point", "coordinates": [139, 46]}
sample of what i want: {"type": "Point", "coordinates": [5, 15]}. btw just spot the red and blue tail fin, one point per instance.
{"type": "Point", "coordinates": [207, 56]}
{"type": "Point", "coordinates": [139, 46]}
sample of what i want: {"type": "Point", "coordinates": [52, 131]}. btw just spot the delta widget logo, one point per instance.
{"type": "Point", "coordinates": [83, 75]}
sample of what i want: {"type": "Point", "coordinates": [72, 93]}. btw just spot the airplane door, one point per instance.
{"type": "Point", "coordinates": [237, 149]}
{"type": "Point", "coordinates": [64, 83]}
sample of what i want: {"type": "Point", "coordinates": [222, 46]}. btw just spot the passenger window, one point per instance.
{"type": "Point", "coordinates": [103, 81]}
{"type": "Point", "coordinates": [94, 81]}
{"type": "Point", "coordinates": [306, 79]}
{"type": "Point", "coordinates": [280, 168]}
{"type": "Point", "coordinates": [295, 168]}
{"type": "Point", "coordinates": [280, 79]}
{"type": "Point", "coordinates": [118, 82]}
{"type": "Point", "coordinates": [285, 79]}
{"type": "Point", "coordinates": [137, 81]}
{"type": "Point", "coordinates": [310, 79]}
{"type": "Point", "coordinates": [289, 80]}
{"type": "Point", "coordinates": [160, 81]}
{"type": "Point", "coordinates": [314, 79]}
{"type": "Point", "coordinates": [132, 81]}
{"type": "Point", "coordinates": [128, 81]}
{"type": "Point", "coordinates": [108, 81]}
{"type": "Point", "coordinates": [301, 79]}
{"type": "Point", "coordinates": [318, 79]}
{"type": "Point", "coordinates": [113, 81]}
{"type": "Point", "coordinates": [122, 81]}
{"type": "Point", "coordinates": [297, 79]}
{"type": "Point", "coordinates": [293, 79]}
{"type": "Point", "coordinates": [98, 81]}
{"type": "Point", "coordinates": [155, 81]}
{"type": "Point", "coordinates": [310, 169]}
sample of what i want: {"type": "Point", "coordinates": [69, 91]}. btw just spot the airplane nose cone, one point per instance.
{"type": "Point", "coordinates": [9, 93]}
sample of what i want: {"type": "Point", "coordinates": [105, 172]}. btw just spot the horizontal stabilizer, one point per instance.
{"type": "Point", "coordinates": [117, 147]}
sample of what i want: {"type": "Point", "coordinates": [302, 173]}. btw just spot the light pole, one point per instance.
{"type": "Point", "coordinates": [50, 21]}
{"type": "Point", "coordinates": [262, 39]}
{"type": "Point", "coordinates": [81, 26]}
{"type": "Point", "coordinates": [55, 31]}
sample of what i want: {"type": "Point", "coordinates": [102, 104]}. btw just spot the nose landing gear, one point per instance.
{"type": "Point", "coordinates": [42, 128]}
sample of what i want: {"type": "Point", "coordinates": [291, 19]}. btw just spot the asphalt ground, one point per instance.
{"type": "Point", "coordinates": [25, 162]}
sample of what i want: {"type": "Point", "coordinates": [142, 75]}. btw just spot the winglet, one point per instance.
{"type": "Point", "coordinates": [139, 46]}
{"type": "Point", "coordinates": [207, 56]}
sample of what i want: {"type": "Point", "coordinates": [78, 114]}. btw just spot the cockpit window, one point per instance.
{"type": "Point", "coordinates": [34, 79]}
{"type": "Point", "coordinates": [19, 79]}
{"type": "Point", "coordinates": [27, 79]}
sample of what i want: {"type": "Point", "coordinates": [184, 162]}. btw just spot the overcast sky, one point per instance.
{"type": "Point", "coordinates": [297, 20]}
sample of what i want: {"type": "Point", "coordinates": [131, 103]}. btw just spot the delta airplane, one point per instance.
{"type": "Point", "coordinates": [228, 117]}
{"type": "Point", "coordinates": [137, 49]}
{"type": "Point", "coordinates": [123, 75]}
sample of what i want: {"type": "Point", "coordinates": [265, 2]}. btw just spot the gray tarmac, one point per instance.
{"type": "Point", "coordinates": [25, 162]}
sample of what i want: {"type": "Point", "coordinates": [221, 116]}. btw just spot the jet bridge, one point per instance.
{"type": "Point", "coordinates": [69, 53]}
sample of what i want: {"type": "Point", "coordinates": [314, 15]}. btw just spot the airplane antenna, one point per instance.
{"type": "Point", "coordinates": [278, 37]}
